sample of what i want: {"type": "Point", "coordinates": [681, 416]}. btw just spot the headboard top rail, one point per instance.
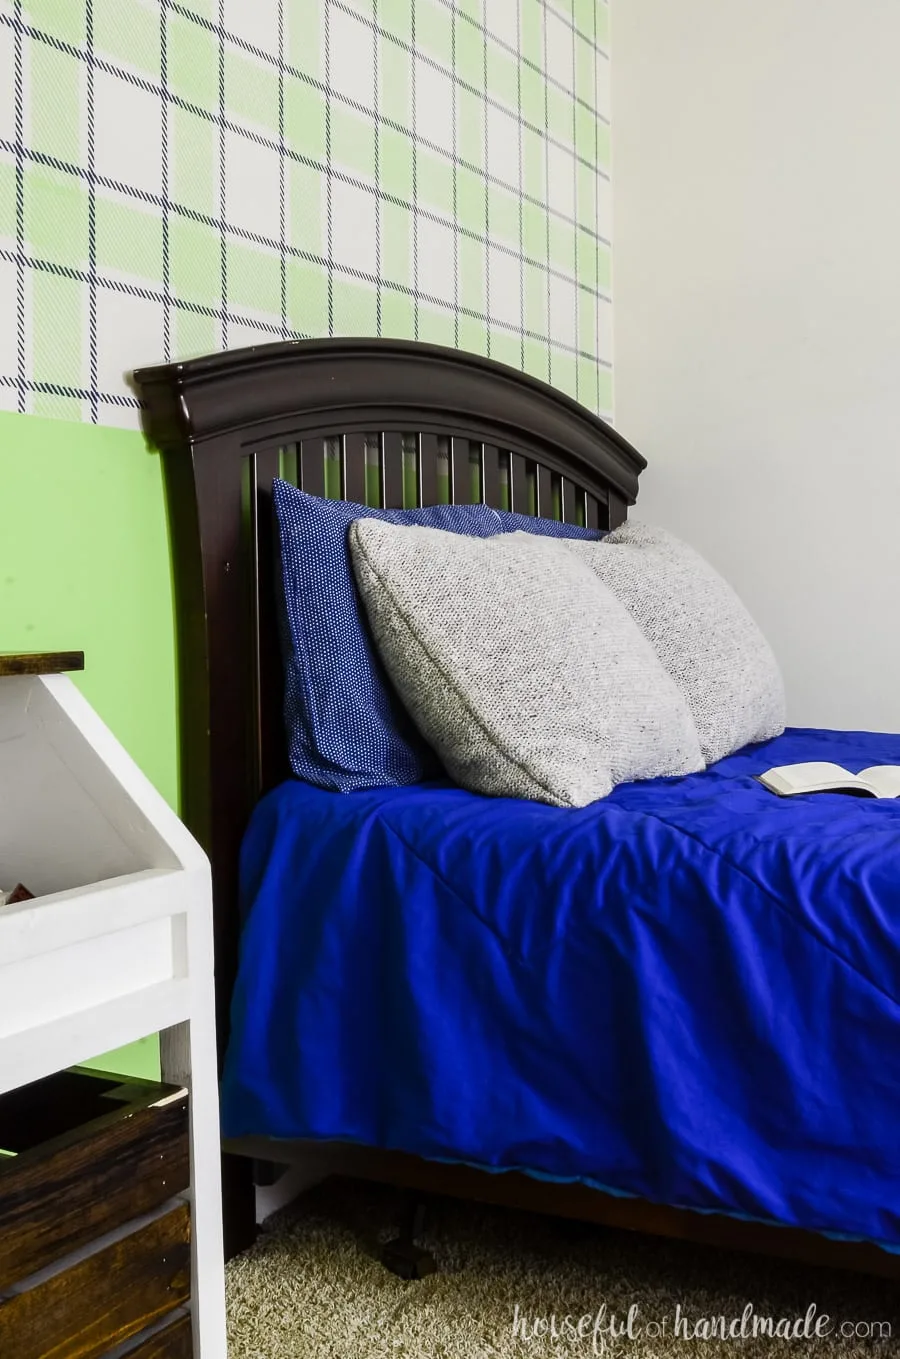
{"type": "Point", "coordinates": [296, 382]}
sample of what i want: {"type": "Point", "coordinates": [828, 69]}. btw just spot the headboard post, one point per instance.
{"type": "Point", "coordinates": [617, 509]}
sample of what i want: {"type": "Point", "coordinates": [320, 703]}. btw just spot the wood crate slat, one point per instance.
{"type": "Point", "coordinates": [173, 1342]}
{"type": "Point", "coordinates": [55, 1200]}
{"type": "Point", "coordinates": [105, 1299]}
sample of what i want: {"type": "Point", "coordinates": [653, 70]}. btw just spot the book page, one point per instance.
{"type": "Point", "coordinates": [883, 778]}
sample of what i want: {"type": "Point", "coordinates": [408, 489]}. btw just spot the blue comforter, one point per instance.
{"type": "Point", "coordinates": [686, 992]}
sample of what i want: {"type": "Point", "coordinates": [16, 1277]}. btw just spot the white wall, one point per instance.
{"type": "Point", "coordinates": [757, 322]}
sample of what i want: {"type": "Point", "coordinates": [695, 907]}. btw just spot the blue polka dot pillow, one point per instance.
{"type": "Point", "coordinates": [346, 728]}
{"type": "Point", "coordinates": [510, 522]}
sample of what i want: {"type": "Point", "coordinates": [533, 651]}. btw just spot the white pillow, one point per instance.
{"type": "Point", "coordinates": [700, 630]}
{"type": "Point", "coordinates": [527, 679]}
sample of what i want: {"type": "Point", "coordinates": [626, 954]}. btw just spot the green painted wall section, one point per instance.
{"type": "Point", "coordinates": [84, 564]}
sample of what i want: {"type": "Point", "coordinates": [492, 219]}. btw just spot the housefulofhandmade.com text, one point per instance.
{"type": "Point", "coordinates": [596, 1330]}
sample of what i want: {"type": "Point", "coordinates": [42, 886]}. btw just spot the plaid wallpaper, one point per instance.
{"type": "Point", "coordinates": [180, 176]}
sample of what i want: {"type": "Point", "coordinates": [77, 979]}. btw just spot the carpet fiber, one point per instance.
{"type": "Point", "coordinates": [313, 1288]}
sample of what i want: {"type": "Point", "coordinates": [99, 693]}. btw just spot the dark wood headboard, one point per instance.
{"type": "Point", "coordinates": [384, 422]}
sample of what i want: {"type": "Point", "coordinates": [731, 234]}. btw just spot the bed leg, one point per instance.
{"type": "Point", "coordinates": [402, 1256]}
{"type": "Point", "coordinates": [267, 1173]}
{"type": "Point", "coordinates": [238, 1204]}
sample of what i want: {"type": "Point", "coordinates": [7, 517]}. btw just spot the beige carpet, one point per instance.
{"type": "Point", "coordinates": [312, 1289]}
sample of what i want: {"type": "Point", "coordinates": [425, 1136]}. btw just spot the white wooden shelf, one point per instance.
{"type": "Point", "coordinates": [117, 943]}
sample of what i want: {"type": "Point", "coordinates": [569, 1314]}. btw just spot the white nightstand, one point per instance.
{"type": "Point", "coordinates": [116, 945]}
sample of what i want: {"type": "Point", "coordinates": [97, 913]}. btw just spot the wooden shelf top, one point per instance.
{"type": "Point", "coordinates": [39, 662]}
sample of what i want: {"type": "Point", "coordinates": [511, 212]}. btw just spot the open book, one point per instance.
{"type": "Point", "coordinates": [818, 776]}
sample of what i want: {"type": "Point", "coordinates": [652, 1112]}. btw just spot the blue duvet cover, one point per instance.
{"type": "Point", "coordinates": [687, 991]}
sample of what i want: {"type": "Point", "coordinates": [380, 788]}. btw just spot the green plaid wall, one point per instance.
{"type": "Point", "coordinates": [180, 176]}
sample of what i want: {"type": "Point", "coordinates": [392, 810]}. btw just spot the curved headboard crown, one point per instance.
{"type": "Point", "coordinates": [279, 390]}
{"type": "Point", "coordinates": [376, 421]}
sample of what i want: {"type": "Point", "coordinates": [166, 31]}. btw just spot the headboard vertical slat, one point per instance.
{"type": "Point", "coordinates": [504, 479]}
{"type": "Point", "coordinates": [410, 446]}
{"type": "Point", "coordinates": [428, 469]}
{"type": "Point", "coordinates": [460, 473]}
{"type": "Point", "coordinates": [490, 475]}
{"type": "Point", "coordinates": [518, 478]}
{"type": "Point", "coordinates": [591, 512]}
{"type": "Point", "coordinates": [544, 492]}
{"type": "Point", "coordinates": [476, 470]}
{"type": "Point", "coordinates": [354, 478]}
{"type": "Point", "coordinates": [444, 473]}
{"type": "Point", "coordinates": [312, 466]}
{"type": "Point", "coordinates": [392, 471]}
{"type": "Point", "coordinates": [569, 501]}
{"type": "Point", "coordinates": [334, 466]}
{"type": "Point", "coordinates": [288, 466]}
{"type": "Point", "coordinates": [373, 470]}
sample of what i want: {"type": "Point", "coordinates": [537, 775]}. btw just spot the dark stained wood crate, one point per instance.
{"type": "Point", "coordinates": [101, 1301]}
{"type": "Point", "coordinates": [93, 1151]}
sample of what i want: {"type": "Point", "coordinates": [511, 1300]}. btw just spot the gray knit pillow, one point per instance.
{"type": "Point", "coordinates": [700, 630]}
{"type": "Point", "coordinates": [526, 679]}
